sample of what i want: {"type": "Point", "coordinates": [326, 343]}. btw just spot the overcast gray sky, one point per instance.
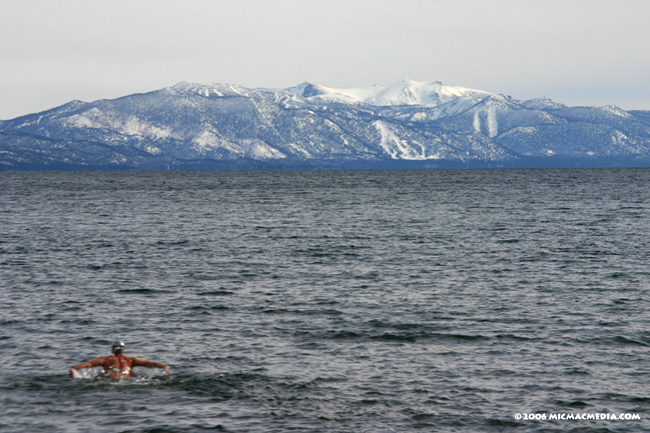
{"type": "Point", "coordinates": [578, 52]}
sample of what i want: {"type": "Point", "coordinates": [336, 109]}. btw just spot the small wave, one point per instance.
{"type": "Point", "coordinates": [503, 423]}
{"type": "Point", "coordinates": [368, 402]}
{"type": "Point", "coordinates": [462, 337]}
{"type": "Point", "coordinates": [325, 311]}
{"type": "Point", "coordinates": [342, 335]}
{"type": "Point", "coordinates": [208, 308]}
{"type": "Point", "coordinates": [413, 337]}
{"type": "Point", "coordinates": [203, 276]}
{"type": "Point", "coordinates": [38, 383]}
{"type": "Point", "coordinates": [516, 337]}
{"type": "Point", "coordinates": [405, 337]}
{"type": "Point", "coordinates": [624, 340]}
{"type": "Point", "coordinates": [640, 399]}
{"type": "Point", "coordinates": [317, 312]}
{"type": "Point", "coordinates": [575, 404]}
{"type": "Point", "coordinates": [394, 337]}
{"type": "Point", "coordinates": [372, 276]}
{"type": "Point", "coordinates": [222, 387]}
{"type": "Point", "coordinates": [183, 242]}
{"type": "Point", "coordinates": [169, 429]}
{"type": "Point", "coordinates": [576, 371]}
{"type": "Point", "coordinates": [578, 404]}
{"type": "Point", "coordinates": [220, 292]}
{"type": "Point", "coordinates": [314, 383]}
{"type": "Point", "coordinates": [275, 311]}
{"type": "Point", "coordinates": [139, 291]}
{"type": "Point", "coordinates": [504, 373]}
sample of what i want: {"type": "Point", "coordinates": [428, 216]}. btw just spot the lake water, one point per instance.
{"type": "Point", "coordinates": [327, 301]}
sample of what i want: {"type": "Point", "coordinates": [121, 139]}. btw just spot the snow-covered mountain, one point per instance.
{"type": "Point", "coordinates": [409, 124]}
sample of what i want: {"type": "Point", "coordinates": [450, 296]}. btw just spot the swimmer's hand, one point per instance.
{"type": "Point", "coordinates": [167, 370]}
{"type": "Point", "coordinates": [74, 373]}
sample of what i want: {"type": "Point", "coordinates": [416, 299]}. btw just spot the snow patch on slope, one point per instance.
{"type": "Point", "coordinates": [132, 126]}
{"type": "Point", "coordinates": [486, 122]}
{"type": "Point", "coordinates": [257, 149]}
{"type": "Point", "coordinates": [393, 145]}
{"type": "Point", "coordinates": [248, 148]}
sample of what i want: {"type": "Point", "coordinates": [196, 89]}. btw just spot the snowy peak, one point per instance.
{"type": "Point", "coordinates": [405, 92]}
{"type": "Point", "coordinates": [309, 90]}
{"type": "Point", "coordinates": [408, 92]}
{"type": "Point", "coordinates": [208, 90]}
{"type": "Point", "coordinates": [542, 103]}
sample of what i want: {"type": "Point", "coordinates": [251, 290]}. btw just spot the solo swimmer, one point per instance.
{"type": "Point", "coordinates": [117, 365]}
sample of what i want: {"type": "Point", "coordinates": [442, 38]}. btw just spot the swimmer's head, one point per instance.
{"type": "Point", "coordinates": [118, 347]}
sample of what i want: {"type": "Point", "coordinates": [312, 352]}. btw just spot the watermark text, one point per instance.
{"type": "Point", "coordinates": [563, 416]}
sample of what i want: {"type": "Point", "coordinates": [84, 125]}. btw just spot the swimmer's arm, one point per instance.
{"type": "Point", "coordinates": [149, 364]}
{"type": "Point", "coordinates": [94, 363]}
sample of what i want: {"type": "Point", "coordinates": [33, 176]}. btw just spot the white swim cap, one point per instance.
{"type": "Point", "coordinates": [118, 346]}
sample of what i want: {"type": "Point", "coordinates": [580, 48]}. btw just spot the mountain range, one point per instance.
{"type": "Point", "coordinates": [407, 125]}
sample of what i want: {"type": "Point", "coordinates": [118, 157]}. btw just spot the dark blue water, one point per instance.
{"type": "Point", "coordinates": [336, 301]}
